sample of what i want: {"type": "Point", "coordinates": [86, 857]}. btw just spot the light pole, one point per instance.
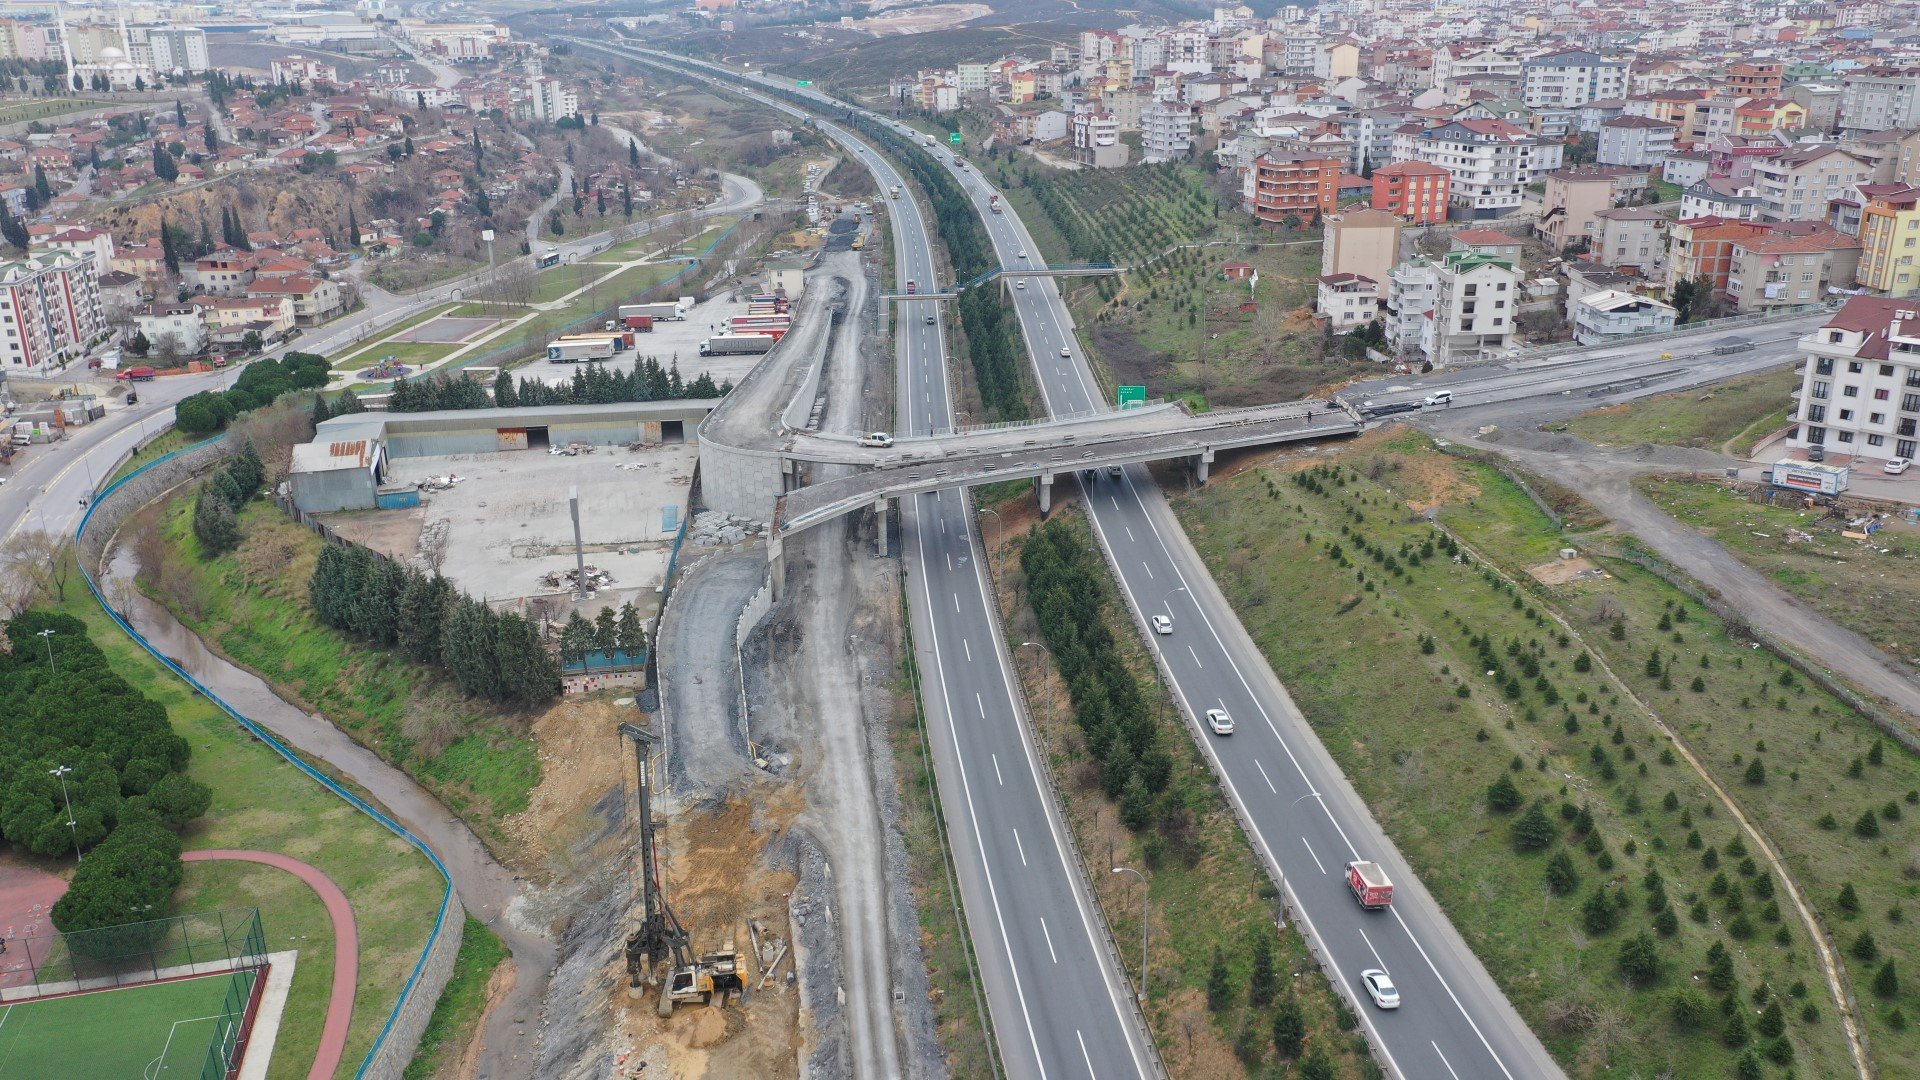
{"type": "Point", "coordinates": [999, 528]}
{"type": "Point", "coordinates": [73, 827]}
{"type": "Point", "coordinates": [1043, 676]}
{"type": "Point", "coordinates": [487, 235]}
{"type": "Point", "coordinates": [47, 636]}
{"type": "Point", "coordinates": [1146, 927]}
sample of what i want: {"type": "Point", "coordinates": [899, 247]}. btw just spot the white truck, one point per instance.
{"type": "Point", "coordinates": [994, 202]}
{"type": "Point", "coordinates": [894, 191]}
{"type": "Point", "coordinates": [663, 309]}
{"type": "Point", "coordinates": [579, 350]}
{"type": "Point", "coordinates": [736, 344]}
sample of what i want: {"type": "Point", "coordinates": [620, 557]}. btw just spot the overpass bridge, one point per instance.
{"type": "Point", "coordinates": [1052, 270]}
{"type": "Point", "coordinates": [1041, 451]}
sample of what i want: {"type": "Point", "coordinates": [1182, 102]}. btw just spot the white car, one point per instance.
{"type": "Point", "coordinates": [1020, 284]}
{"type": "Point", "coordinates": [1380, 988]}
{"type": "Point", "coordinates": [1065, 352]}
{"type": "Point", "coordinates": [1439, 397]}
{"type": "Point", "coordinates": [877, 439]}
{"type": "Point", "coordinates": [930, 320]}
{"type": "Point", "coordinates": [1219, 721]}
{"type": "Point", "coordinates": [1023, 253]}
{"type": "Point", "coordinates": [1896, 466]}
{"type": "Point", "coordinates": [1161, 624]}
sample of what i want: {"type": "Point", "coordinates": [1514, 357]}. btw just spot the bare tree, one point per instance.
{"type": "Point", "coordinates": [40, 559]}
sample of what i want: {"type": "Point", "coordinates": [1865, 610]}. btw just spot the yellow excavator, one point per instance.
{"type": "Point", "coordinates": [692, 981]}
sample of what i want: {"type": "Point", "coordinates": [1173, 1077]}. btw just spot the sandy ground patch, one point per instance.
{"type": "Point", "coordinates": [922, 20]}
{"type": "Point", "coordinates": [1566, 571]}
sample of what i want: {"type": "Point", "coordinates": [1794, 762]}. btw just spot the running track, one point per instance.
{"type": "Point", "coordinates": [346, 952]}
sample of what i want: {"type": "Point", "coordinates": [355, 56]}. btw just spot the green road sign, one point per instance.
{"type": "Point", "coordinates": [804, 82]}
{"type": "Point", "coordinates": [1133, 397]}
{"type": "Point", "coordinates": [954, 138]}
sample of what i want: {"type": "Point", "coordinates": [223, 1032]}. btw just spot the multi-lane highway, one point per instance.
{"type": "Point", "coordinates": [1303, 816]}
{"type": "Point", "coordinates": [1059, 1003]}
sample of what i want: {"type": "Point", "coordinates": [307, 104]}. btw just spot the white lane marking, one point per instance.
{"type": "Point", "coordinates": [1371, 949]}
{"type": "Point", "coordinates": [1130, 538]}
{"type": "Point", "coordinates": [973, 817]}
{"type": "Point", "coordinates": [1148, 569]}
{"type": "Point", "coordinates": [1021, 846]}
{"type": "Point", "coordinates": [1088, 1058]}
{"type": "Point", "coordinates": [1443, 1060]}
{"type": "Point", "coordinates": [1049, 936]}
{"type": "Point", "coordinates": [1264, 776]}
{"type": "Point", "coordinates": [996, 770]}
{"type": "Point", "coordinates": [1196, 657]}
{"type": "Point", "coordinates": [1316, 858]}
{"type": "Point", "coordinates": [981, 705]}
{"type": "Point", "coordinates": [956, 603]}
{"type": "Point", "coordinates": [949, 562]}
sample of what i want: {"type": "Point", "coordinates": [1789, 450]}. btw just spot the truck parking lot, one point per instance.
{"type": "Point", "coordinates": [672, 342]}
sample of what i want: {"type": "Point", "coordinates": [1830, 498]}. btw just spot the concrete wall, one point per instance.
{"type": "Point", "coordinates": [743, 483]}
{"type": "Point", "coordinates": [337, 489]}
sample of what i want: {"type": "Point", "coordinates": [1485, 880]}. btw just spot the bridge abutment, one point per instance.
{"type": "Point", "coordinates": [880, 508]}
{"type": "Point", "coordinates": [1043, 487]}
{"type": "Point", "coordinates": [1202, 464]}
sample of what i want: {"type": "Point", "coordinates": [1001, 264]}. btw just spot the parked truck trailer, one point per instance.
{"type": "Point", "coordinates": [580, 350]}
{"type": "Point", "coordinates": [1809, 477]}
{"type": "Point", "coordinates": [662, 309]}
{"type": "Point", "coordinates": [735, 344]}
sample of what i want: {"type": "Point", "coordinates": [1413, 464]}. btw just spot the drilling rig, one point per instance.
{"type": "Point", "coordinates": [661, 936]}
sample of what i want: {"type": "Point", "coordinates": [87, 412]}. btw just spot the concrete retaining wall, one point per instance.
{"type": "Point", "coordinates": [389, 1059]}
{"type": "Point", "coordinates": [744, 483]}
{"type": "Point", "coordinates": [757, 607]}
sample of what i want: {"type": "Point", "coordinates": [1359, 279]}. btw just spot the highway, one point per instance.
{"type": "Point", "coordinates": [1304, 818]}
{"type": "Point", "coordinates": [1059, 1003]}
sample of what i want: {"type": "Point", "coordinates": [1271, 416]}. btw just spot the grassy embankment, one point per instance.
{"type": "Point", "coordinates": [261, 802]}
{"type": "Point", "coordinates": [1735, 415]}
{"type": "Point", "coordinates": [1867, 586]}
{"type": "Point", "coordinates": [1209, 896]}
{"type": "Point", "coordinates": [252, 606]}
{"type": "Point", "coordinates": [457, 1015]}
{"type": "Point", "coordinates": [1570, 721]}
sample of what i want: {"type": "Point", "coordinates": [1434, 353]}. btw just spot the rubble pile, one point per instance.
{"type": "Point", "coordinates": [714, 529]}
{"type": "Point", "coordinates": [570, 579]}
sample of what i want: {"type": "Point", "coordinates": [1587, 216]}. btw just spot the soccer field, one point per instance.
{"type": "Point", "coordinates": [157, 1031]}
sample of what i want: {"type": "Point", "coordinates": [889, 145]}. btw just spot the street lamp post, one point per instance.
{"type": "Point", "coordinates": [73, 827]}
{"type": "Point", "coordinates": [487, 235]}
{"type": "Point", "coordinates": [999, 529]}
{"type": "Point", "coordinates": [47, 636]}
{"type": "Point", "coordinates": [1043, 676]}
{"type": "Point", "coordinates": [1146, 927]}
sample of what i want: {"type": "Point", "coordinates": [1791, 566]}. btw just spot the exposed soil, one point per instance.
{"type": "Point", "coordinates": [581, 761]}
{"type": "Point", "coordinates": [1131, 362]}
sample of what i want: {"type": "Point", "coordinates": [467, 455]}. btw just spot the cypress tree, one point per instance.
{"type": "Point", "coordinates": [631, 635]}
{"type": "Point", "coordinates": [504, 394]}
{"type": "Point", "coordinates": [1260, 982]}
{"type": "Point", "coordinates": [633, 153]}
{"type": "Point", "coordinates": [527, 672]}
{"type": "Point", "coordinates": [214, 524]}
{"type": "Point", "coordinates": [606, 634]}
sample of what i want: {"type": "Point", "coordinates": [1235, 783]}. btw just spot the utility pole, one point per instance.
{"type": "Point", "coordinates": [1146, 928]}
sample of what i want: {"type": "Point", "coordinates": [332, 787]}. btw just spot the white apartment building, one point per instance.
{"type": "Point", "coordinates": [1571, 78]}
{"type": "Point", "coordinates": [1636, 141]}
{"type": "Point", "coordinates": [1797, 186]}
{"type": "Point", "coordinates": [1879, 99]}
{"type": "Point", "coordinates": [453, 41]}
{"type": "Point", "coordinates": [1476, 299]}
{"type": "Point", "coordinates": [1611, 313]}
{"type": "Point", "coordinates": [169, 48]}
{"type": "Point", "coordinates": [1410, 292]}
{"type": "Point", "coordinates": [1166, 131]}
{"type": "Point", "coordinates": [549, 99]}
{"type": "Point", "coordinates": [1491, 162]}
{"type": "Point", "coordinates": [301, 69]}
{"type": "Point", "coordinates": [970, 78]}
{"type": "Point", "coordinates": [1347, 300]}
{"type": "Point", "coordinates": [50, 310]}
{"type": "Point", "coordinates": [1860, 387]}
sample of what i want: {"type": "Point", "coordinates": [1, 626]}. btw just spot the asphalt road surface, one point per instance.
{"type": "Point", "coordinates": [1059, 1003]}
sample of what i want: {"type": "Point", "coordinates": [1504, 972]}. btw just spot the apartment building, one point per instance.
{"type": "Point", "coordinates": [1414, 190]}
{"type": "Point", "coordinates": [1491, 162]}
{"type": "Point", "coordinates": [172, 330]}
{"type": "Point", "coordinates": [1637, 141]}
{"type": "Point", "coordinates": [1628, 236]}
{"type": "Point", "coordinates": [1783, 269]}
{"type": "Point", "coordinates": [49, 309]}
{"type": "Point", "coordinates": [1476, 298]}
{"type": "Point", "coordinates": [1798, 185]}
{"type": "Point", "coordinates": [1718, 196]}
{"type": "Point", "coordinates": [1755, 79]}
{"type": "Point", "coordinates": [1409, 306]}
{"type": "Point", "coordinates": [550, 99]}
{"type": "Point", "coordinates": [1611, 313]}
{"type": "Point", "coordinates": [1096, 140]}
{"type": "Point", "coordinates": [1166, 131]}
{"type": "Point", "coordinates": [1571, 78]}
{"type": "Point", "coordinates": [1879, 98]}
{"type": "Point", "coordinates": [1283, 185]}
{"type": "Point", "coordinates": [1573, 196]}
{"type": "Point", "coordinates": [301, 69]}
{"type": "Point", "coordinates": [1363, 243]}
{"type": "Point", "coordinates": [1890, 238]}
{"type": "Point", "coordinates": [1860, 386]}
{"type": "Point", "coordinates": [1701, 249]}
{"type": "Point", "coordinates": [1347, 301]}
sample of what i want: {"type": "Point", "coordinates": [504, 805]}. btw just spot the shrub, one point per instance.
{"type": "Point", "coordinates": [1640, 961]}
{"type": "Point", "coordinates": [1289, 1029]}
{"type": "Point", "coordinates": [1533, 830]}
{"type": "Point", "coordinates": [1502, 796]}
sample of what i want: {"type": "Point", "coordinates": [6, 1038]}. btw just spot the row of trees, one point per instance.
{"type": "Point", "coordinates": [1066, 586]}
{"type": "Point", "coordinates": [592, 384]}
{"type": "Point", "coordinates": [607, 632]}
{"type": "Point", "coordinates": [65, 706]}
{"type": "Point", "coordinates": [216, 522]}
{"type": "Point", "coordinates": [994, 345]}
{"type": "Point", "coordinates": [488, 655]}
{"type": "Point", "coordinates": [262, 383]}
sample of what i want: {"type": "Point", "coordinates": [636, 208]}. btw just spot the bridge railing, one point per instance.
{"type": "Point", "coordinates": [1710, 326]}
{"type": "Point", "coordinates": [1057, 418]}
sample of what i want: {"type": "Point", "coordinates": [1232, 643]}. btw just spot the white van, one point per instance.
{"type": "Point", "coordinates": [1440, 397]}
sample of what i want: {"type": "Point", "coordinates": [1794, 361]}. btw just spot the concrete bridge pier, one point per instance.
{"type": "Point", "coordinates": [1043, 487]}
{"type": "Point", "coordinates": [880, 508]}
{"type": "Point", "coordinates": [777, 564]}
{"type": "Point", "coordinates": [1201, 464]}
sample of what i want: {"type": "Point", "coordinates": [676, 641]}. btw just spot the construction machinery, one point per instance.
{"type": "Point", "coordinates": [660, 937]}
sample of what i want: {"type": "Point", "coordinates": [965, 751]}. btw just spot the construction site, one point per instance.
{"type": "Point", "coordinates": [754, 916]}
